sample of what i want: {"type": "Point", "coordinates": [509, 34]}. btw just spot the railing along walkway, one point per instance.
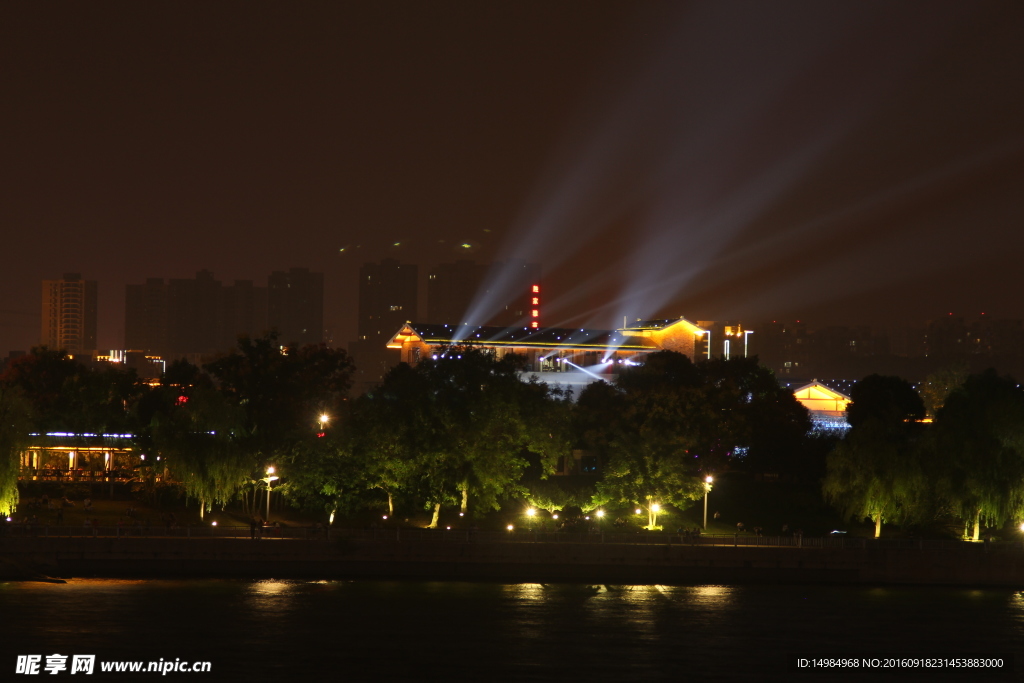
{"type": "Point", "coordinates": [20, 530]}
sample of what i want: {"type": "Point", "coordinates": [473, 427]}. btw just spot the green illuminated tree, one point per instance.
{"type": "Point", "coordinates": [15, 425]}
{"type": "Point", "coordinates": [979, 451]}
{"type": "Point", "coordinates": [201, 440]}
{"type": "Point", "coordinates": [457, 427]}
{"type": "Point", "coordinates": [876, 472]}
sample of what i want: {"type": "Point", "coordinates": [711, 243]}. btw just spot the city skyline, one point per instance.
{"type": "Point", "coordinates": [847, 165]}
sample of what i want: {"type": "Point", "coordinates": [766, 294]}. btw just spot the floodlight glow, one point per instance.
{"type": "Point", "coordinates": [531, 512]}
{"type": "Point", "coordinates": [655, 508]}
{"type": "Point", "coordinates": [600, 513]}
{"type": "Point", "coordinates": [270, 470]}
{"type": "Point", "coordinates": [709, 479]}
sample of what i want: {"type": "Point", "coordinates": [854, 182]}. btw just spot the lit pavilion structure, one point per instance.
{"type": "Point", "coordinates": [66, 456]}
{"type": "Point", "coordinates": [826, 405]}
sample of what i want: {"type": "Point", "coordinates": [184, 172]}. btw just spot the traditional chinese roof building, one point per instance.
{"type": "Point", "coordinates": [827, 406]}
{"type": "Point", "coordinates": [586, 353]}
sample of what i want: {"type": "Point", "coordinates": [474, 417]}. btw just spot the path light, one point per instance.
{"type": "Point", "coordinates": [707, 489]}
{"type": "Point", "coordinates": [509, 527]}
{"type": "Point", "coordinates": [638, 511]}
{"type": "Point", "coordinates": [269, 479]}
{"type": "Point", "coordinates": [214, 523]}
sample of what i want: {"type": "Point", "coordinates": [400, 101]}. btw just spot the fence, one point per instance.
{"type": "Point", "coordinates": [472, 536]}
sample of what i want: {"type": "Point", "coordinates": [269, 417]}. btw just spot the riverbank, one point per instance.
{"type": "Point", "coordinates": [608, 563]}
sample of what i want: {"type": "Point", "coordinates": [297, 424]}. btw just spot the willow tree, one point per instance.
{"type": "Point", "coordinates": [876, 472]}
{"type": "Point", "coordinates": [201, 441]}
{"type": "Point", "coordinates": [15, 425]}
{"type": "Point", "coordinates": [979, 451]}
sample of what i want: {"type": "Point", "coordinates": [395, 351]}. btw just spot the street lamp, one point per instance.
{"type": "Point", "coordinates": [707, 490]}
{"type": "Point", "coordinates": [324, 419]}
{"type": "Point", "coordinates": [268, 479]}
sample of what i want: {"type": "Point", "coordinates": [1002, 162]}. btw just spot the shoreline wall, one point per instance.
{"type": "Point", "coordinates": [971, 565]}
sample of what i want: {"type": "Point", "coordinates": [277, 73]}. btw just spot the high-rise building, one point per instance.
{"type": "Point", "coordinates": [193, 314]}
{"type": "Point", "coordinates": [69, 314]}
{"type": "Point", "coordinates": [388, 294]}
{"type": "Point", "coordinates": [244, 312]}
{"type": "Point", "coordinates": [515, 295]}
{"type": "Point", "coordinates": [199, 316]}
{"type": "Point", "coordinates": [295, 305]}
{"type": "Point", "coordinates": [451, 289]}
{"type": "Point", "coordinates": [506, 294]}
{"type": "Point", "coordinates": [387, 298]}
{"type": "Point", "coordinates": [145, 317]}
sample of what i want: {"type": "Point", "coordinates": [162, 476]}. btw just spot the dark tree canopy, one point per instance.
{"type": "Point", "coordinates": [890, 400]}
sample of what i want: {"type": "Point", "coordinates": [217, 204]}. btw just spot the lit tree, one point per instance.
{"type": "Point", "coordinates": [15, 425]}
{"type": "Point", "coordinates": [876, 472]}
{"type": "Point", "coordinates": [979, 451]}
{"type": "Point", "coordinates": [201, 440]}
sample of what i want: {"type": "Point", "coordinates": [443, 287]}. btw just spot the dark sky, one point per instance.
{"type": "Point", "coordinates": [843, 161]}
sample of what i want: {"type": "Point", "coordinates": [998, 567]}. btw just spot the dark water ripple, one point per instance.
{"type": "Point", "coordinates": [424, 631]}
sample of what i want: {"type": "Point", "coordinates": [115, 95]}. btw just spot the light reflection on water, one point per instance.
{"type": "Point", "coordinates": [493, 631]}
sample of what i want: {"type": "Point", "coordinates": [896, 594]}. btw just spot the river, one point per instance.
{"type": "Point", "coordinates": [414, 631]}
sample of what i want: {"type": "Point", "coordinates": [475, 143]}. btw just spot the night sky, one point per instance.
{"type": "Point", "coordinates": [848, 162]}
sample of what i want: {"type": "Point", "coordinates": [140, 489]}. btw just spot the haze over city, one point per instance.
{"type": "Point", "coordinates": [837, 162]}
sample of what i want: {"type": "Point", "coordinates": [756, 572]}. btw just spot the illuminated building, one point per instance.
{"type": "Point", "coordinates": [75, 457]}
{"type": "Point", "coordinates": [566, 356]}
{"type": "Point", "coordinates": [826, 406]}
{"type": "Point", "coordinates": [69, 314]}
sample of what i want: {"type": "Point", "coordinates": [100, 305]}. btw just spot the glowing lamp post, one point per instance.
{"type": "Point", "coordinates": [324, 419]}
{"type": "Point", "coordinates": [707, 490]}
{"type": "Point", "coordinates": [269, 479]}
{"type": "Point", "coordinates": [531, 513]}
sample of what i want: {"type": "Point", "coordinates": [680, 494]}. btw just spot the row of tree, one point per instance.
{"type": "Point", "coordinates": [462, 430]}
{"type": "Point", "coordinates": [465, 430]}
{"type": "Point", "coordinates": [965, 467]}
